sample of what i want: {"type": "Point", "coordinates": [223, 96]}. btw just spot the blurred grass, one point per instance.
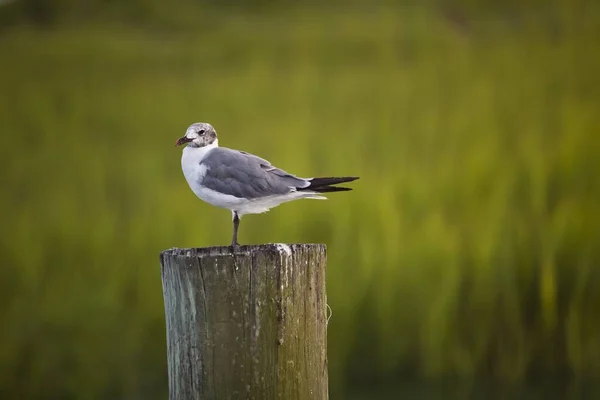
{"type": "Point", "coordinates": [469, 248]}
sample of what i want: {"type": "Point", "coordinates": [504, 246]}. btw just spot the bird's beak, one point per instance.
{"type": "Point", "coordinates": [182, 140]}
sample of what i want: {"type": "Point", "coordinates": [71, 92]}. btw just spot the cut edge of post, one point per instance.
{"type": "Point", "coordinates": [280, 248]}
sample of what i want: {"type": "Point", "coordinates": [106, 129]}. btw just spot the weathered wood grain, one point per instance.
{"type": "Point", "coordinates": [248, 323]}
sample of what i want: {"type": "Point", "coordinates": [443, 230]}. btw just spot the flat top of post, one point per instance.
{"type": "Point", "coordinates": [279, 248]}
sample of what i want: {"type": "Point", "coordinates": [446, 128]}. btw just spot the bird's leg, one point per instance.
{"type": "Point", "coordinates": [236, 224]}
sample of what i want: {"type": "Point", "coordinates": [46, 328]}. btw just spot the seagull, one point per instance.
{"type": "Point", "coordinates": [242, 182]}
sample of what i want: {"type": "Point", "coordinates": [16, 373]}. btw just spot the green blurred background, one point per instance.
{"type": "Point", "coordinates": [466, 261]}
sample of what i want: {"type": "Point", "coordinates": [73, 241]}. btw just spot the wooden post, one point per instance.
{"type": "Point", "coordinates": [248, 323]}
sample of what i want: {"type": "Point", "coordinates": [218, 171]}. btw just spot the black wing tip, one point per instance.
{"type": "Point", "coordinates": [337, 178]}
{"type": "Point", "coordinates": [329, 181]}
{"type": "Point", "coordinates": [327, 185]}
{"type": "Point", "coordinates": [330, 189]}
{"type": "Point", "coordinates": [349, 178]}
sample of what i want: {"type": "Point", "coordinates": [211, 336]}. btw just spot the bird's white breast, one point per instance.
{"type": "Point", "coordinates": [191, 163]}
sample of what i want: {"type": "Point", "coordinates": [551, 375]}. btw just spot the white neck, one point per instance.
{"type": "Point", "coordinates": [198, 153]}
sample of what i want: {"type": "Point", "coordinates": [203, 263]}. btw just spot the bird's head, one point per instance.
{"type": "Point", "coordinates": [199, 134]}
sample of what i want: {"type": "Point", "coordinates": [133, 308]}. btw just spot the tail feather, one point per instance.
{"type": "Point", "coordinates": [326, 185]}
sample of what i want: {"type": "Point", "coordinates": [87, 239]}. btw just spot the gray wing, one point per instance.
{"type": "Point", "coordinates": [245, 175]}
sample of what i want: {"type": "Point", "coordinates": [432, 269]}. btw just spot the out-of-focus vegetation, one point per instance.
{"type": "Point", "coordinates": [469, 248]}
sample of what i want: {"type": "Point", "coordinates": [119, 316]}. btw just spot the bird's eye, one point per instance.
{"type": "Point", "coordinates": [201, 132]}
